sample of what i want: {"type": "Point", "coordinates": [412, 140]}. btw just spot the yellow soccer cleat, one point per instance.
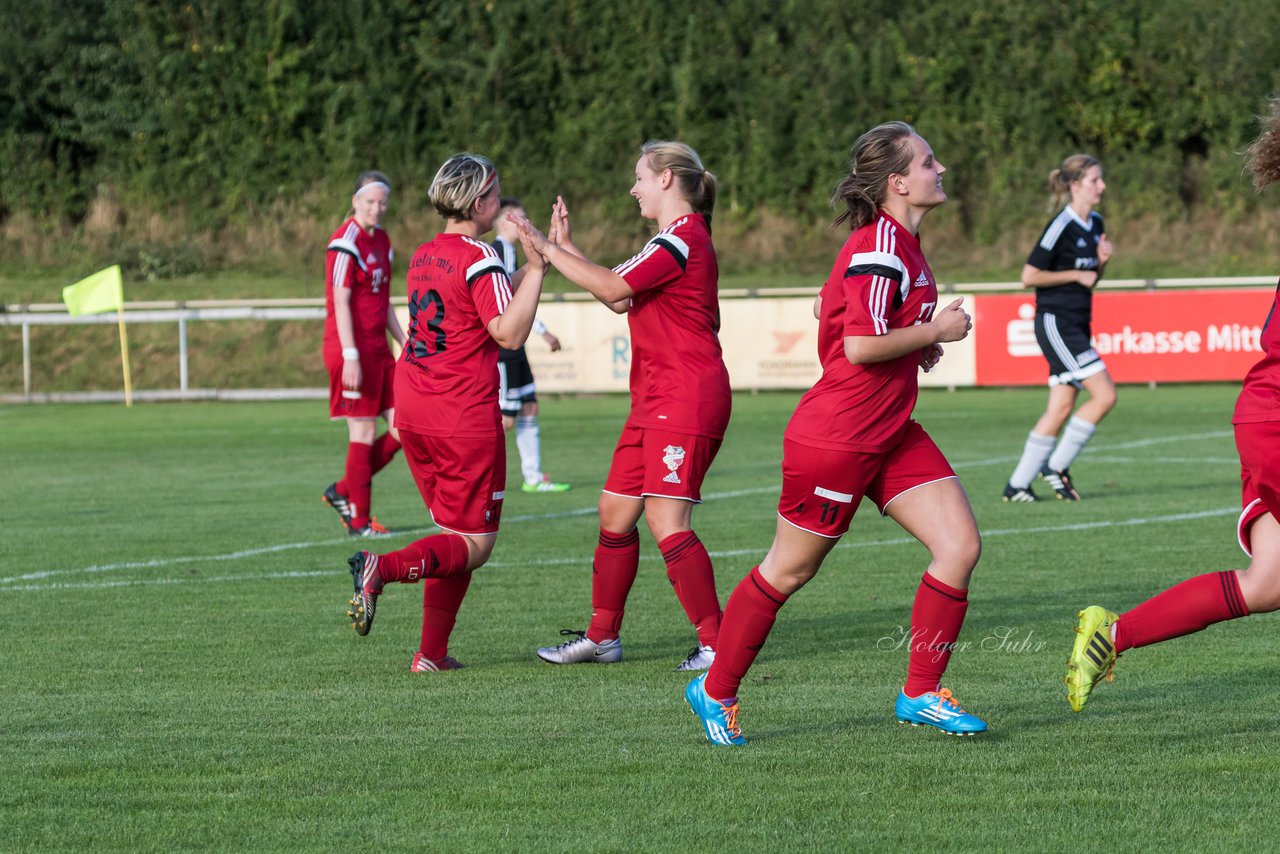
{"type": "Point", "coordinates": [1093, 657]}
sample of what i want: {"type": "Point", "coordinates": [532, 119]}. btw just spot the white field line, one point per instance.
{"type": "Point", "coordinates": [13, 582]}
{"type": "Point", "coordinates": [584, 557]}
{"type": "Point", "coordinates": [284, 547]}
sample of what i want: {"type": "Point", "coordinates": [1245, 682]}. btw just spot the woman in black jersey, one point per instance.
{"type": "Point", "coordinates": [1064, 267]}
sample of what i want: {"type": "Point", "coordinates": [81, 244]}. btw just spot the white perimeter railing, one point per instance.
{"type": "Point", "coordinates": [312, 309]}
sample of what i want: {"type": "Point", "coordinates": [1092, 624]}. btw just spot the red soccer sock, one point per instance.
{"type": "Point", "coordinates": [690, 572]}
{"type": "Point", "coordinates": [441, 599]}
{"type": "Point", "coordinates": [1195, 604]}
{"type": "Point", "coordinates": [612, 573]}
{"type": "Point", "coordinates": [438, 556]}
{"type": "Point", "coordinates": [384, 449]}
{"type": "Point", "coordinates": [355, 484]}
{"type": "Point", "coordinates": [936, 618]}
{"type": "Point", "coordinates": [748, 618]}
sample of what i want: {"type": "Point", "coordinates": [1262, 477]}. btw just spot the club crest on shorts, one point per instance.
{"type": "Point", "coordinates": [672, 458]}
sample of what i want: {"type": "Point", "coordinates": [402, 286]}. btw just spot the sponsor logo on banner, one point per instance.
{"type": "Point", "coordinates": [621, 357]}
{"type": "Point", "coordinates": [786, 341]}
{"type": "Point", "coordinates": [1145, 336]}
{"type": "Point", "coordinates": [1020, 334]}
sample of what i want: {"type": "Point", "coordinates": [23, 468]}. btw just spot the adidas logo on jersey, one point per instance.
{"type": "Point", "coordinates": [1081, 243]}
{"type": "Point", "coordinates": [922, 281]}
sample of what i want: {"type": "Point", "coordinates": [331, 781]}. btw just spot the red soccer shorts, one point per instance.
{"type": "Point", "coordinates": [1259, 447]}
{"type": "Point", "coordinates": [821, 487]}
{"type": "Point", "coordinates": [462, 479]}
{"type": "Point", "coordinates": [665, 465]}
{"type": "Point", "coordinates": [376, 393]}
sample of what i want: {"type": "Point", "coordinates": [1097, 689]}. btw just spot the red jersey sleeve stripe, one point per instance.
{"type": "Point", "coordinates": [348, 247]}
{"type": "Point", "coordinates": [482, 267]}
{"type": "Point", "coordinates": [876, 264]}
{"type": "Point", "coordinates": [677, 247]}
{"type": "Point", "coordinates": [501, 291]}
{"type": "Point", "coordinates": [629, 265]}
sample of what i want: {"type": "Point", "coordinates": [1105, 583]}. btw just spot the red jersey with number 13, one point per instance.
{"type": "Point", "coordinates": [447, 376]}
{"type": "Point", "coordinates": [880, 281]}
{"type": "Point", "coordinates": [678, 378]}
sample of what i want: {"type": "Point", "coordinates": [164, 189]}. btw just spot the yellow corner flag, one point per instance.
{"type": "Point", "coordinates": [103, 291]}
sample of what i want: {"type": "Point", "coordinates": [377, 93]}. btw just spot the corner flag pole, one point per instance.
{"type": "Point", "coordinates": [103, 292]}
{"type": "Point", "coordinates": [124, 359]}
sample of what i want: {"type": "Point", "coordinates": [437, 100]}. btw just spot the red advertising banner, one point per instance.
{"type": "Point", "coordinates": [1143, 336]}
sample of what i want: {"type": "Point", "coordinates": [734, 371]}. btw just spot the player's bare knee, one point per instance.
{"type": "Point", "coordinates": [663, 528]}
{"type": "Point", "coordinates": [787, 577]}
{"type": "Point", "coordinates": [479, 549]}
{"type": "Point", "coordinates": [619, 514]}
{"type": "Point", "coordinates": [362, 430]}
{"type": "Point", "coordinates": [959, 554]}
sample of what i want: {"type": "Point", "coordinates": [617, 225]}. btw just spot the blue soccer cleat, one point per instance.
{"type": "Point", "coordinates": [718, 720]}
{"type": "Point", "coordinates": [938, 709]}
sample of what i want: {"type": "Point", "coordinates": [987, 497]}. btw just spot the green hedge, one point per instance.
{"type": "Point", "coordinates": [229, 110]}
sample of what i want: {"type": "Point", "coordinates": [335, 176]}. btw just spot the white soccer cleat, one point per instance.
{"type": "Point", "coordinates": [581, 650]}
{"type": "Point", "coordinates": [700, 658]}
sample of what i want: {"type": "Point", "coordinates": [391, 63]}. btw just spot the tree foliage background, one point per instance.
{"type": "Point", "coordinates": [224, 114]}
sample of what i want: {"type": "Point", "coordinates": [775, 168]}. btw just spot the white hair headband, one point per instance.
{"type": "Point", "coordinates": [386, 187]}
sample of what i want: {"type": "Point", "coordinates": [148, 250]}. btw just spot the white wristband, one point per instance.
{"type": "Point", "coordinates": [351, 354]}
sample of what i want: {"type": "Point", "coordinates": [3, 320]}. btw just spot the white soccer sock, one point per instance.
{"type": "Point", "coordinates": [1034, 453]}
{"type": "Point", "coordinates": [1074, 438]}
{"type": "Point", "coordinates": [527, 443]}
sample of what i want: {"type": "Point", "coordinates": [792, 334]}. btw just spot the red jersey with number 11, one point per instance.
{"type": "Point", "coordinates": [880, 282]}
{"type": "Point", "coordinates": [447, 376]}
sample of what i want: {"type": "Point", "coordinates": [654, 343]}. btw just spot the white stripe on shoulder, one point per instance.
{"type": "Point", "coordinates": [348, 246]}
{"type": "Point", "coordinates": [877, 305]}
{"type": "Point", "coordinates": [670, 239]}
{"type": "Point", "coordinates": [501, 292]}
{"type": "Point", "coordinates": [340, 266]}
{"type": "Point", "coordinates": [882, 259]}
{"type": "Point", "coordinates": [635, 261]}
{"type": "Point", "coordinates": [490, 258]}
{"type": "Point", "coordinates": [488, 250]}
{"type": "Point", "coordinates": [482, 265]}
{"type": "Point", "coordinates": [1054, 231]}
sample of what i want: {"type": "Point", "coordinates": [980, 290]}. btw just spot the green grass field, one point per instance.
{"type": "Point", "coordinates": [178, 671]}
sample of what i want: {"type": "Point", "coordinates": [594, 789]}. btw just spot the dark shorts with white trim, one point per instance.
{"type": "Point", "coordinates": [515, 381]}
{"type": "Point", "coordinates": [1065, 342]}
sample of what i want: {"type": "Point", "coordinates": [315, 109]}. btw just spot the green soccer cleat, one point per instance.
{"type": "Point", "coordinates": [546, 485]}
{"type": "Point", "coordinates": [1093, 657]}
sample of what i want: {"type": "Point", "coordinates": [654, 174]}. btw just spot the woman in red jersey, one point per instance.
{"type": "Point", "coordinates": [852, 436]}
{"type": "Point", "coordinates": [358, 317]}
{"type": "Point", "coordinates": [1213, 597]}
{"type": "Point", "coordinates": [463, 307]}
{"type": "Point", "coordinates": [680, 399]}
